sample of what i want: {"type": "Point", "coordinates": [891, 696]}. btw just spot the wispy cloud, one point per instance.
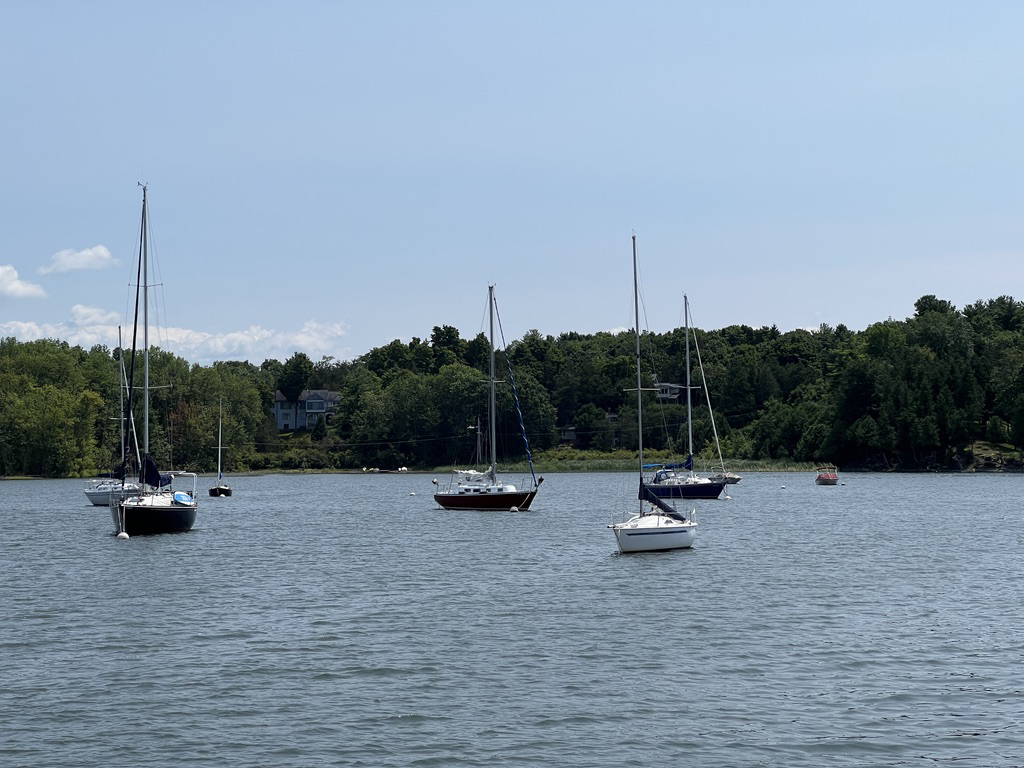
{"type": "Point", "coordinates": [90, 326]}
{"type": "Point", "coordinates": [84, 316]}
{"type": "Point", "coordinates": [97, 257]}
{"type": "Point", "coordinates": [12, 285]}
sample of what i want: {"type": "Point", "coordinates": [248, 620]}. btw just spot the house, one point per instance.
{"type": "Point", "coordinates": [313, 405]}
{"type": "Point", "coordinates": [670, 394]}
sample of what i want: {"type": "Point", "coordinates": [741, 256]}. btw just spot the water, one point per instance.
{"type": "Point", "coordinates": [338, 620]}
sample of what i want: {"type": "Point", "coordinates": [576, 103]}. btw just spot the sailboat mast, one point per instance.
{"type": "Point", "coordinates": [220, 426]}
{"type": "Point", "coordinates": [145, 325]}
{"type": "Point", "coordinates": [120, 388]}
{"type": "Point", "coordinates": [689, 419]}
{"type": "Point", "coordinates": [639, 391]}
{"type": "Point", "coordinates": [491, 407]}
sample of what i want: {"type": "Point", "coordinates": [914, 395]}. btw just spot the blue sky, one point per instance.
{"type": "Point", "coordinates": [326, 177]}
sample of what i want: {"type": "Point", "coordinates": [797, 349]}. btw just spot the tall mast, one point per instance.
{"type": "Point", "coordinates": [220, 426]}
{"type": "Point", "coordinates": [491, 402]}
{"type": "Point", "coordinates": [639, 392]}
{"type": "Point", "coordinates": [145, 324]}
{"type": "Point", "coordinates": [689, 420]}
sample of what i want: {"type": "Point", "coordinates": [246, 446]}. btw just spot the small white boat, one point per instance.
{"type": "Point", "coordinates": [656, 526]}
{"type": "Point", "coordinates": [105, 491]}
{"type": "Point", "coordinates": [729, 478]}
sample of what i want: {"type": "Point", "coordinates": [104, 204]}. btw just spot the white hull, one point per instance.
{"type": "Point", "coordinates": [657, 526]}
{"type": "Point", "coordinates": [101, 493]}
{"type": "Point", "coordinates": [654, 533]}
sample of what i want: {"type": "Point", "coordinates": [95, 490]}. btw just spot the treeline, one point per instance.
{"type": "Point", "coordinates": [911, 394]}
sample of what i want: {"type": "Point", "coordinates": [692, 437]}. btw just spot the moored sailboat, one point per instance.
{"type": "Point", "coordinates": [472, 489]}
{"type": "Point", "coordinates": [156, 507]}
{"type": "Point", "coordinates": [221, 488]}
{"type": "Point", "coordinates": [657, 526]}
{"type": "Point", "coordinates": [667, 482]}
{"type": "Point", "coordinates": [111, 487]}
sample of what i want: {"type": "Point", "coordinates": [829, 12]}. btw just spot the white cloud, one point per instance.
{"type": "Point", "coordinates": [91, 326]}
{"type": "Point", "coordinates": [12, 285]}
{"type": "Point", "coordinates": [83, 315]}
{"type": "Point", "coordinates": [97, 257]}
{"type": "Point", "coordinates": [257, 343]}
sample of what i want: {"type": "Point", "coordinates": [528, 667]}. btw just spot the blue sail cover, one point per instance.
{"type": "Point", "coordinates": [646, 494]}
{"type": "Point", "coordinates": [150, 475]}
{"type": "Point", "coordinates": [688, 464]}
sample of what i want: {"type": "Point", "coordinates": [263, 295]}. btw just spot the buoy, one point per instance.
{"type": "Point", "coordinates": [413, 493]}
{"type": "Point", "coordinates": [123, 535]}
{"type": "Point", "coordinates": [783, 487]}
{"type": "Point", "coordinates": [513, 509]}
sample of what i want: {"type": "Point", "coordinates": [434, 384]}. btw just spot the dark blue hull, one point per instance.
{"type": "Point", "coordinates": [148, 521]}
{"type": "Point", "coordinates": [710, 490]}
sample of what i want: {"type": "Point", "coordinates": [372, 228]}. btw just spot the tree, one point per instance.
{"type": "Point", "coordinates": [320, 430]}
{"type": "Point", "coordinates": [294, 376]}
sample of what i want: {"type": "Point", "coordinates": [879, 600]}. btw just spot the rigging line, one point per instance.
{"type": "Point", "coordinates": [158, 296]}
{"type": "Point", "coordinates": [135, 334]}
{"type": "Point", "coordinates": [640, 292]}
{"type": "Point", "coordinates": [704, 383]}
{"type": "Point", "coordinates": [515, 391]}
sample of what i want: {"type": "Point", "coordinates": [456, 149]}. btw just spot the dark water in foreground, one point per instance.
{"type": "Point", "coordinates": [341, 621]}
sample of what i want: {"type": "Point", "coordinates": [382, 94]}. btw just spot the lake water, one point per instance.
{"type": "Point", "coordinates": [344, 620]}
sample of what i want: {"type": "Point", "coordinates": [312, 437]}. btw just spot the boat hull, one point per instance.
{"type": "Point", "coordinates": [826, 480]}
{"type": "Point", "coordinates": [709, 490]}
{"type": "Point", "coordinates": [498, 501]}
{"type": "Point", "coordinates": [147, 516]}
{"type": "Point", "coordinates": [220, 490]}
{"type": "Point", "coordinates": [102, 495]}
{"type": "Point", "coordinates": [654, 533]}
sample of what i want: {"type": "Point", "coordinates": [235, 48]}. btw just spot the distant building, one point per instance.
{"type": "Point", "coordinates": [670, 394]}
{"type": "Point", "coordinates": [313, 405]}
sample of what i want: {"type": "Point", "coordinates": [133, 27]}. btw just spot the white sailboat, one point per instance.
{"type": "Point", "coordinates": [112, 487]}
{"type": "Point", "coordinates": [471, 489]}
{"type": "Point", "coordinates": [657, 526]}
{"type": "Point", "coordinates": [156, 507]}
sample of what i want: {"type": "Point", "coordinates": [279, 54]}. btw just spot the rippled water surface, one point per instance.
{"type": "Point", "coordinates": [344, 620]}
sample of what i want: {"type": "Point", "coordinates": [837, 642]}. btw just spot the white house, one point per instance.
{"type": "Point", "coordinates": [313, 405]}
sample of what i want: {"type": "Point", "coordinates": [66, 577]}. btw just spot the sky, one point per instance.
{"type": "Point", "coordinates": [327, 177]}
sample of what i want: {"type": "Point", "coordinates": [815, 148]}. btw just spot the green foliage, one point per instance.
{"type": "Point", "coordinates": [917, 393]}
{"type": "Point", "coordinates": [297, 372]}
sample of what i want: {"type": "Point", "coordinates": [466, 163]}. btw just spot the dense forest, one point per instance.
{"type": "Point", "coordinates": [920, 393]}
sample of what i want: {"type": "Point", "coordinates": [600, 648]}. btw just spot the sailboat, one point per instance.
{"type": "Point", "coordinates": [221, 488]}
{"type": "Point", "coordinates": [666, 482]}
{"type": "Point", "coordinates": [657, 526]}
{"type": "Point", "coordinates": [156, 507]}
{"type": "Point", "coordinates": [111, 486]}
{"type": "Point", "coordinates": [470, 489]}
